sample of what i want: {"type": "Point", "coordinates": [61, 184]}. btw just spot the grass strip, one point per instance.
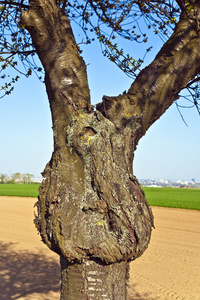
{"type": "Point", "coordinates": [173, 197]}
{"type": "Point", "coordinates": [164, 197]}
{"type": "Point", "coordinates": [19, 190]}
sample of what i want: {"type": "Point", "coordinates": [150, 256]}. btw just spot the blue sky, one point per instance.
{"type": "Point", "coordinates": [169, 150]}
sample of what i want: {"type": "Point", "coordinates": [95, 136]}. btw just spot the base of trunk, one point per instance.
{"type": "Point", "coordinates": [94, 280]}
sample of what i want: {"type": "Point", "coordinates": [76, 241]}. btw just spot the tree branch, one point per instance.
{"type": "Point", "coordinates": [159, 84]}
{"type": "Point", "coordinates": [16, 52]}
{"type": "Point", "coordinates": [19, 4]}
{"type": "Point", "coordinates": [181, 4]}
{"type": "Point", "coordinates": [55, 44]}
{"type": "Point", "coordinates": [192, 82]}
{"type": "Point", "coordinates": [65, 71]}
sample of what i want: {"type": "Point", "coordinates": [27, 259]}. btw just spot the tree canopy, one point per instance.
{"type": "Point", "coordinates": [109, 22]}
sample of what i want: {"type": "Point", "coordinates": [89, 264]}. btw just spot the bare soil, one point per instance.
{"type": "Point", "coordinates": [169, 269]}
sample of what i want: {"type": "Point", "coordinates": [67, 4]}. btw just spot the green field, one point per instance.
{"type": "Point", "coordinates": [165, 197]}
{"type": "Point", "coordinates": [19, 190]}
{"type": "Point", "coordinates": [173, 197]}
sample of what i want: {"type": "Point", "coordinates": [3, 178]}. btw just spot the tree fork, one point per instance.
{"type": "Point", "coordinates": [91, 209]}
{"type": "Point", "coordinates": [158, 85]}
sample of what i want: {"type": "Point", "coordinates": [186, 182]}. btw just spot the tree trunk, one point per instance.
{"type": "Point", "coordinates": [91, 208]}
{"type": "Point", "coordinates": [94, 280]}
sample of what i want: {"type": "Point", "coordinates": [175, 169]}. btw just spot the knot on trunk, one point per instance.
{"type": "Point", "coordinates": [90, 204]}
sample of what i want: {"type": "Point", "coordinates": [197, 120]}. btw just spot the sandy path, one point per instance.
{"type": "Point", "coordinates": [169, 269]}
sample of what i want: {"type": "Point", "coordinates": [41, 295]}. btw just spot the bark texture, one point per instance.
{"type": "Point", "coordinates": [91, 208]}
{"type": "Point", "coordinates": [90, 204]}
{"type": "Point", "coordinates": [96, 208]}
{"type": "Point", "coordinates": [94, 280]}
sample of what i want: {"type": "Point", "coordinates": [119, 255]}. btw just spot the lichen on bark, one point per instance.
{"type": "Point", "coordinates": [100, 208]}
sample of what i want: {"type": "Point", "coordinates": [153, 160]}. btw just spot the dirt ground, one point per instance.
{"type": "Point", "coordinates": [169, 269]}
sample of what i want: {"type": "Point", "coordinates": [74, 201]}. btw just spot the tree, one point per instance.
{"type": "Point", "coordinates": [27, 177]}
{"type": "Point", "coordinates": [3, 177]}
{"type": "Point", "coordinates": [17, 177]}
{"type": "Point", "coordinates": [91, 208]}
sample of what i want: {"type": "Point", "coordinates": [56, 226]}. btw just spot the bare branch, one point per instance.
{"type": "Point", "coordinates": [177, 106]}
{"type": "Point", "coordinates": [16, 52]}
{"type": "Point", "coordinates": [11, 3]}
{"type": "Point", "coordinates": [192, 82]}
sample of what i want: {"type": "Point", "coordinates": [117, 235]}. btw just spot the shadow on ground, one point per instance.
{"type": "Point", "coordinates": [135, 295]}
{"type": "Point", "coordinates": [23, 273]}
{"type": "Point", "coordinates": [144, 296]}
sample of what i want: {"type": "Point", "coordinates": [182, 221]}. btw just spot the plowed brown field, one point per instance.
{"type": "Point", "coordinates": [169, 269]}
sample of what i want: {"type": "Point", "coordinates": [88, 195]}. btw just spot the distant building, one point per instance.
{"type": "Point", "coordinates": [36, 179]}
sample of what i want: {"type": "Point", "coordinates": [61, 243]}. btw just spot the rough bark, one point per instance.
{"type": "Point", "coordinates": [91, 208]}
{"type": "Point", "coordinates": [90, 203]}
{"type": "Point", "coordinates": [96, 208]}
{"type": "Point", "coordinates": [94, 280]}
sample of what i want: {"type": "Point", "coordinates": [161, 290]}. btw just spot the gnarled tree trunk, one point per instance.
{"type": "Point", "coordinates": [91, 208]}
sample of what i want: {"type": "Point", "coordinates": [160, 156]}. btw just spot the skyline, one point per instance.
{"type": "Point", "coordinates": [169, 150]}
